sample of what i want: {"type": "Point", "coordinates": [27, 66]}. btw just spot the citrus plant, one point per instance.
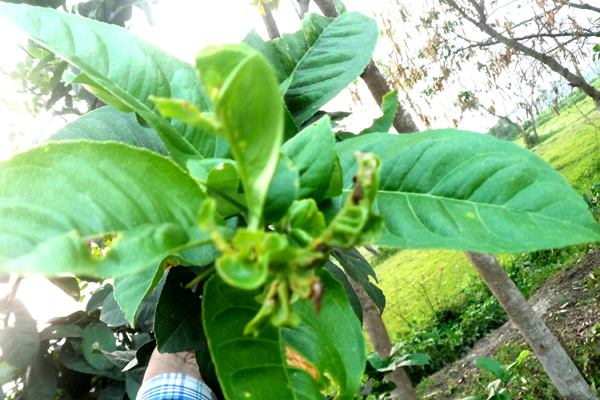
{"type": "Point", "coordinates": [220, 178]}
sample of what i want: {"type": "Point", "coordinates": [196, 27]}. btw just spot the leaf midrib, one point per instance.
{"type": "Point", "coordinates": [121, 93]}
{"type": "Point", "coordinates": [479, 204]}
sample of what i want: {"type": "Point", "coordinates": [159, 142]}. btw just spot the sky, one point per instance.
{"type": "Point", "coordinates": [183, 27]}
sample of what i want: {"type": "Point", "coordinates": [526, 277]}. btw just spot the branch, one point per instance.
{"type": "Point", "coordinates": [583, 6]}
{"type": "Point", "coordinates": [528, 51]}
{"type": "Point", "coordinates": [303, 7]}
{"type": "Point", "coordinates": [270, 23]}
{"type": "Point", "coordinates": [328, 8]}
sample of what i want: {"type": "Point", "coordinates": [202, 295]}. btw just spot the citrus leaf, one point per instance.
{"type": "Point", "coordinates": [284, 363]}
{"type": "Point", "coordinates": [111, 313]}
{"type": "Point", "coordinates": [467, 191]}
{"type": "Point", "coordinates": [114, 391]}
{"type": "Point", "coordinates": [131, 291]}
{"type": "Point", "coordinates": [359, 269]}
{"type": "Point", "coordinates": [338, 274]}
{"type": "Point", "coordinates": [283, 189]}
{"type": "Point", "coordinates": [98, 337]}
{"type": "Point", "coordinates": [249, 113]}
{"type": "Point", "coordinates": [61, 331]}
{"type": "Point", "coordinates": [75, 362]}
{"type": "Point", "coordinates": [41, 382]}
{"type": "Point", "coordinates": [389, 108]}
{"type": "Point", "coordinates": [20, 342]}
{"type": "Point", "coordinates": [53, 196]}
{"type": "Point", "coordinates": [67, 284]}
{"type": "Point", "coordinates": [321, 60]}
{"type": "Point", "coordinates": [178, 321]}
{"type": "Point", "coordinates": [106, 124]}
{"type": "Point", "coordinates": [312, 152]}
{"type": "Point", "coordinates": [125, 67]}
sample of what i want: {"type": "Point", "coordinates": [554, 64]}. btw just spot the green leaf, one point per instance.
{"type": "Point", "coordinates": [254, 40]}
{"type": "Point", "coordinates": [522, 356]}
{"type": "Point", "coordinates": [312, 152]}
{"type": "Point", "coordinates": [248, 366]}
{"type": "Point", "coordinates": [222, 181]}
{"type": "Point", "coordinates": [75, 362]}
{"type": "Point", "coordinates": [332, 340]}
{"type": "Point", "coordinates": [41, 380]}
{"type": "Point", "coordinates": [7, 373]}
{"type": "Point", "coordinates": [52, 195]}
{"type": "Point", "coordinates": [130, 291]}
{"type": "Point", "coordinates": [142, 356]}
{"type": "Point", "coordinates": [178, 320]}
{"type": "Point", "coordinates": [389, 108]}
{"type": "Point", "coordinates": [144, 319]}
{"type": "Point", "coordinates": [132, 387]}
{"type": "Point", "coordinates": [493, 367]}
{"type": "Point", "coordinates": [54, 332]}
{"type": "Point", "coordinates": [200, 256]}
{"type": "Point", "coordinates": [321, 60]}
{"type": "Point", "coordinates": [111, 313]}
{"type": "Point", "coordinates": [114, 391]}
{"type": "Point", "coordinates": [124, 66]}
{"type": "Point", "coordinates": [108, 124]}
{"type": "Point", "coordinates": [359, 270]}
{"type": "Point", "coordinates": [330, 343]}
{"type": "Point", "coordinates": [467, 191]}
{"type": "Point", "coordinates": [340, 7]}
{"type": "Point", "coordinates": [67, 284]}
{"type": "Point", "coordinates": [283, 190]}
{"type": "Point", "coordinates": [336, 184]}
{"type": "Point", "coordinates": [97, 299]}
{"type": "Point", "coordinates": [100, 337]}
{"type": "Point", "coordinates": [20, 342]}
{"type": "Point", "coordinates": [338, 274]}
{"type": "Point", "coordinates": [207, 370]}
{"type": "Point", "coordinates": [120, 358]}
{"type": "Point", "coordinates": [405, 361]}
{"type": "Point", "coordinates": [249, 115]}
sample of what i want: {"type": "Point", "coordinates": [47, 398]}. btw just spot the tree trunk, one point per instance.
{"type": "Point", "coordinates": [531, 139]}
{"type": "Point", "coordinates": [557, 364]}
{"type": "Point", "coordinates": [378, 87]}
{"type": "Point", "coordinates": [550, 62]}
{"type": "Point", "coordinates": [270, 23]}
{"type": "Point", "coordinates": [377, 84]}
{"type": "Point", "coordinates": [380, 339]}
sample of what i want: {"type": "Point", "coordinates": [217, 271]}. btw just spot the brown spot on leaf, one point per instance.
{"type": "Point", "coordinates": [296, 360]}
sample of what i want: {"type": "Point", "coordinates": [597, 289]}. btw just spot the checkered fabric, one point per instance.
{"type": "Point", "coordinates": [175, 387]}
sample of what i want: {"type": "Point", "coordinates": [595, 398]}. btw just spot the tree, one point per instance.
{"type": "Point", "coordinates": [453, 51]}
{"type": "Point", "coordinates": [247, 204]}
{"type": "Point", "coordinates": [481, 21]}
{"type": "Point", "coordinates": [377, 84]}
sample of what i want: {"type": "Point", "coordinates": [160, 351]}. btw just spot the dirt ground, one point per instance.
{"type": "Point", "coordinates": [563, 303]}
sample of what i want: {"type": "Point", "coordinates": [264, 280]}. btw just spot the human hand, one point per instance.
{"type": "Point", "coordinates": [165, 363]}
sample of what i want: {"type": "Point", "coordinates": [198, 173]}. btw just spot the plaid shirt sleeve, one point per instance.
{"type": "Point", "coordinates": [175, 387]}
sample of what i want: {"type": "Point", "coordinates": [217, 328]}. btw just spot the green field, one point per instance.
{"type": "Point", "coordinates": [570, 144]}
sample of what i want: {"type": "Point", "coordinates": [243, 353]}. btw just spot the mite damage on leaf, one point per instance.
{"type": "Point", "coordinates": [284, 260]}
{"type": "Point", "coordinates": [296, 360]}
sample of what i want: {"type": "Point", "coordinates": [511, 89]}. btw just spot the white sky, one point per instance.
{"type": "Point", "coordinates": [183, 27]}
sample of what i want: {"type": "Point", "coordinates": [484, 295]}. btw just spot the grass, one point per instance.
{"type": "Point", "coordinates": [411, 278]}
{"type": "Point", "coordinates": [415, 280]}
